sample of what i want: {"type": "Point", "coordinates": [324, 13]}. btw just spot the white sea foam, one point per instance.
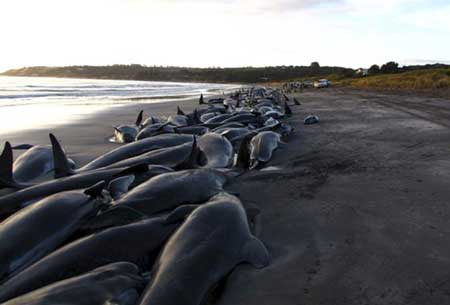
{"type": "Point", "coordinates": [33, 102]}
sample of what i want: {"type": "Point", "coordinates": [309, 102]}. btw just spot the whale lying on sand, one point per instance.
{"type": "Point", "coordinates": [121, 153]}
{"type": "Point", "coordinates": [36, 162]}
{"type": "Point", "coordinates": [210, 243]}
{"type": "Point", "coordinates": [117, 283]}
{"type": "Point", "coordinates": [138, 243]}
{"type": "Point", "coordinates": [36, 231]}
{"type": "Point", "coordinates": [128, 133]}
{"type": "Point", "coordinates": [168, 191]}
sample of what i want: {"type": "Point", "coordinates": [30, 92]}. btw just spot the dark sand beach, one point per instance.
{"type": "Point", "coordinates": [357, 212]}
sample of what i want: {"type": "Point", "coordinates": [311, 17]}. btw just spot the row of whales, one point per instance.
{"type": "Point", "coordinates": [150, 222]}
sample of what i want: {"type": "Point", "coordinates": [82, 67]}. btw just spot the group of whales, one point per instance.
{"type": "Point", "coordinates": [146, 223]}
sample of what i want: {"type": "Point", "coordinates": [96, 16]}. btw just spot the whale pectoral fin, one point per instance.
{"type": "Point", "coordinates": [255, 253]}
{"type": "Point", "coordinates": [180, 213]}
{"type": "Point", "coordinates": [95, 190]}
{"type": "Point", "coordinates": [282, 145]}
{"type": "Point", "coordinates": [23, 146]}
{"type": "Point", "coordinates": [116, 216]}
{"type": "Point", "coordinates": [120, 186]}
{"type": "Point", "coordinates": [135, 169]}
{"type": "Point", "coordinates": [252, 212]}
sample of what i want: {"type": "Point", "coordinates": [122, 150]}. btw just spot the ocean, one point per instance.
{"type": "Point", "coordinates": [38, 102]}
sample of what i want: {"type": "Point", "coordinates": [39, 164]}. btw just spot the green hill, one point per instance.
{"type": "Point", "coordinates": [221, 75]}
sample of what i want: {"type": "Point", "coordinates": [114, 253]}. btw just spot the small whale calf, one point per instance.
{"type": "Point", "coordinates": [128, 133]}
{"type": "Point", "coordinates": [311, 119]}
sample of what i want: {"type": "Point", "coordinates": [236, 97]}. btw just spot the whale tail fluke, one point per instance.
{"type": "Point", "coordinates": [180, 213]}
{"type": "Point", "coordinates": [63, 166]}
{"type": "Point", "coordinates": [255, 253]}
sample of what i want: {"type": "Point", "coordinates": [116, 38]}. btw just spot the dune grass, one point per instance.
{"type": "Point", "coordinates": [435, 79]}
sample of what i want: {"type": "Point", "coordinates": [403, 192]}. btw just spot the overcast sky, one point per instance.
{"type": "Point", "coordinates": [204, 33]}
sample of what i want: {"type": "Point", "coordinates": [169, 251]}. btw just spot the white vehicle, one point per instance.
{"type": "Point", "coordinates": [322, 83]}
{"type": "Point", "coordinates": [308, 84]}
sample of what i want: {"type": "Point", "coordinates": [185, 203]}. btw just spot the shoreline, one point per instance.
{"type": "Point", "coordinates": [125, 79]}
{"type": "Point", "coordinates": [88, 137]}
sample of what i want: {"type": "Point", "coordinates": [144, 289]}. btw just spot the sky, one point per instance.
{"type": "Point", "coordinates": [225, 33]}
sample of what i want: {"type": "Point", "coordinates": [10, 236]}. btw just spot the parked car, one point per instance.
{"type": "Point", "coordinates": [322, 83]}
{"type": "Point", "coordinates": [308, 84]}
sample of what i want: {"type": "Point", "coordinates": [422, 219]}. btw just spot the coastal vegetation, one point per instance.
{"type": "Point", "coordinates": [425, 79]}
{"type": "Point", "coordinates": [184, 74]}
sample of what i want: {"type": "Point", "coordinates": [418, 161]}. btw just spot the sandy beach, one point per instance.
{"type": "Point", "coordinates": [357, 211]}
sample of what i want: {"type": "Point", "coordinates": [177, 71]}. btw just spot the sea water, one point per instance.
{"type": "Point", "coordinates": [37, 102]}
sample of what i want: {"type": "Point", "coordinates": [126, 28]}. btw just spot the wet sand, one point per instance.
{"type": "Point", "coordinates": [359, 212]}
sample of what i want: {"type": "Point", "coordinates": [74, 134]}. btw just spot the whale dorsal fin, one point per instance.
{"type": "Point", "coordinates": [196, 117]}
{"type": "Point", "coordinates": [118, 215]}
{"type": "Point", "coordinates": [192, 159]}
{"type": "Point", "coordinates": [255, 253]}
{"type": "Point", "coordinates": [120, 186]}
{"type": "Point", "coordinates": [132, 170]}
{"type": "Point", "coordinates": [243, 156]}
{"type": "Point", "coordinates": [139, 118]}
{"type": "Point", "coordinates": [179, 111]}
{"type": "Point", "coordinates": [287, 109]}
{"type": "Point", "coordinates": [6, 167]}
{"type": "Point", "coordinates": [63, 167]}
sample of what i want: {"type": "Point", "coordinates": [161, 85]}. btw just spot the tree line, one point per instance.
{"type": "Point", "coordinates": [185, 74]}
{"type": "Point", "coordinates": [393, 67]}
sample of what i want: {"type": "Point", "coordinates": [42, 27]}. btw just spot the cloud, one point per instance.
{"type": "Point", "coordinates": [249, 6]}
